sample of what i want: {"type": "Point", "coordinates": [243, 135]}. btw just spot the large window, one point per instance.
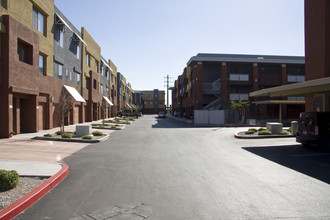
{"type": "Point", "coordinates": [78, 78]}
{"type": "Point", "coordinates": [42, 60]}
{"type": "Point", "coordinates": [24, 52]}
{"type": "Point", "coordinates": [102, 70]}
{"type": "Point", "coordinates": [87, 59]}
{"type": "Point", "coordinates": [61, 36]}
{"type": "Point", "coordinates": [96, 66]}
{"type": "Point", "coordinates": [78, 52]}
{"type": "Point", "coordinates": [60, 71]}
{"type": "Point", "coordinates": [38, 21]}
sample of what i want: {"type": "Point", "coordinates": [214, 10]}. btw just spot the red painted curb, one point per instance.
{"type": "Point", "coordinates": [20, 205]}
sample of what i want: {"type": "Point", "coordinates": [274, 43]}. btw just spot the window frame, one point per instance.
{"type": "Point", "coordinates": [38, 20]}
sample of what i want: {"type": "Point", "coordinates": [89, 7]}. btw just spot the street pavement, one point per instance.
{"type": "Point", "coordinates": [165, 169]}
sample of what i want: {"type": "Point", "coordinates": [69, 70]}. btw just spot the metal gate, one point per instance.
{"type": "Point", "coordinates": [209, 117]}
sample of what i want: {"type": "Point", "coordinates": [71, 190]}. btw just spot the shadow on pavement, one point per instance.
{"type": "Point", "coordinates": [312, 162]}
{"type": "Point", "coordinates": [170, 123]}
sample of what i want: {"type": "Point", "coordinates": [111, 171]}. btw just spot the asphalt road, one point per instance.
{"type": "Point", "coordinates": [168, 170]}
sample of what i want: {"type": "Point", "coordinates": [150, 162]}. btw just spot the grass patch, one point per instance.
{"type": "Point", "coordinates": [97, 133]}
{"type": "Point", "coordinates": [249, 132]}
{"type": "Point", "coordinates": [86, 137]}
{"type": "Point", "coordinates": [264, 132]}
{"type": "Point", "coordinates": [66, 135]}
{"type": "Point", "coordinates": [284, 133]}
{"type": "Point", "coordinates": [48, 135]}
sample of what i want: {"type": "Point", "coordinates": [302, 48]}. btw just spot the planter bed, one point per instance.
{"type": "Point", "coordinates": [55, 137]}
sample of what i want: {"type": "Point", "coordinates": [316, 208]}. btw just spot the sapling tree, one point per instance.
{"type": "Point", "coordinates": [65, 104]}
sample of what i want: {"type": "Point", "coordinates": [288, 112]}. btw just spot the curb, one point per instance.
{"type": "Point", "coordinates": [22, 204]}
{"type": "Point", "coordinates": [261, 136]}
{"type": "Point", "coordinates": [72, 140]}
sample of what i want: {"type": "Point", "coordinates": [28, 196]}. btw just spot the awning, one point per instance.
{"type": "Point", "coordinates": [74, 93]}
{"type": "Point", "coordinates": [106, 64]}
{"type": "Point", "coordinates": [293, 102]}
{"type": "Point", "coordinates": [314, 87]}
{"type": "Point", "coordinates": [61, 21]}
{"type": "Point", "coordinates": [79, 38]}
{"type": "Point", "coordinates": [107, 100]}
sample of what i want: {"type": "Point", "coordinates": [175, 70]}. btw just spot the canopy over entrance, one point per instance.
{"type": "Point", "coordinates": [74, 93]}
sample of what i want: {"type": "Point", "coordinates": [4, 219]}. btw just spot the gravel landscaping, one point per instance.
{"type": "Point", "coordinates": [26, 185]}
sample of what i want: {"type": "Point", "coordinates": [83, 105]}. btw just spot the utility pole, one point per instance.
{"type": "Point", "coordinates": [167, 85]}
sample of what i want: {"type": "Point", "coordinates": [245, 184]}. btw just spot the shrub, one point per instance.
{"type": "Point", "coordinates": [262, 129]}
{"type": "Point", "coordinates": [106, 124]}
{"type": "Point", "coordinates": [8, 180]}
{"type": "Point", "coordinates": [290, 130]}
{"type": "Point", "coordinates": [249, 132]}
{"type": "Point", "coordinates": [113, 126]}
{"type": "Point", "coordinates": [101, 126]}
{"type": "Point", "coordinates": [117, 125]}
{"type": "Point", "coordinates": [97, 133]}
{"type": "Point", "coordinates": [284, 133]}
{"type": "Point", "coordinates": [88, 137]}
{"type": "Point", "coordinates": [95, 124]}
{"type": "Point", "coordinates": [58, 132]}
{"type": "Point", "coordinates": [264, 132]}
{"type": "Point", "coordinates": [75, 132]}
{"type": "Point", "coordinates": [253, 129]}
{"type": "Point", "coordinates": [66, 135]}
{"type": "Point", "coordinates": [48, 135]}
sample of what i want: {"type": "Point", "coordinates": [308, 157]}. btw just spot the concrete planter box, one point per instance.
{"type": "Point", "coordinates": [82, 130]}
{"type": "Point", "coordinates": [274, 127]}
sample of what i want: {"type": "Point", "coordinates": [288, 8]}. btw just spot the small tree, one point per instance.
{"type": "Point", "coordinates": [240, 106]}
{"type": "Point", "coordinates": [65, 104]}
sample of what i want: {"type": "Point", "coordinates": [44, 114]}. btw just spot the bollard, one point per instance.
{"type": "Point", "coordinates": [294, 127]}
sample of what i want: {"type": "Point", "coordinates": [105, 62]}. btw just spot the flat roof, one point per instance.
{"type": "Point", "coordinates": [246, 58]}
{"type": "Point", "coordinates": [314, 87]}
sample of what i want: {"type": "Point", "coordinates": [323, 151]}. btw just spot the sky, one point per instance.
{"type": "Point", "coordinates": [150, 39]}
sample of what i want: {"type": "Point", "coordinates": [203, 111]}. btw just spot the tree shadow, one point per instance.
{"type": "Point", "coordinates": [312, 162]}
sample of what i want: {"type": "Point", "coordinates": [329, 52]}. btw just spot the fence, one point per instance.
{"type": "Point", "coordinates": [209, 117]}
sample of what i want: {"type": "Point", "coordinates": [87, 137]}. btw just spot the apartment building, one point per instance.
{"type": "Point", "coordinates": [26, 64]}
{"type": "Point", "coordinates": [43, 54]}
{"type": "Point", "coordinates": [150, 101]}
{"type": "Point", "coordinates": [211, 81]}
{"type": "Point", "coordinates": [113, 88]}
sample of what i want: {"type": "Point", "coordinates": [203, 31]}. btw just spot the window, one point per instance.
{"type": "Point", "coordinates": [111, 78]}
{"type": "Point", "coordinates": [24, 52]}
{"type": "Point", "coordinates": [87, 59]}
{"type": "Point", "coordinates": [78, 78]}
{"type": "Point", "coordinates": [108, 91]}
{"type": "Point", "coordinates": [78, 52]}
{"type": "Point", "coordinates": [42, 60]}
{"type": "Point", "coordinates": [61, 36]}
{"type": "Point", "coordinates": [38, 21]}
{"type": "Point", "coordinates": [70, 76]}
{"type": "Point", "coordinates": [107, 73]}
{"type": "Point", "coordinates": [3, 3]}
{"type": "Point", "coordinates": [101, 88]}
{"type": "Point", "coordinates": [102, 70]}
{"type": "Point", "coordinates": [94, 83]}
{"type": "Point", "coordinates": [60, 71]}
{"type": "Point", "coordinates": [96, 66]}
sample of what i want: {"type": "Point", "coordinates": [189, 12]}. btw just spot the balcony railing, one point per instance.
{"type": "Point", "coordinates": [239, 77]}
{"type": "Point", "coordinates": [238, 96]}
{"type": "Point", "coordinates": [296, 78]}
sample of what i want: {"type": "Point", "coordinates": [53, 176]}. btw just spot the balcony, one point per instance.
{"type": "Point", "coordinates": [296, 78]}
{"type": "Point", "coordinates": [239, 77]}
{"type": "Point", "coordinates": [238, 96]}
